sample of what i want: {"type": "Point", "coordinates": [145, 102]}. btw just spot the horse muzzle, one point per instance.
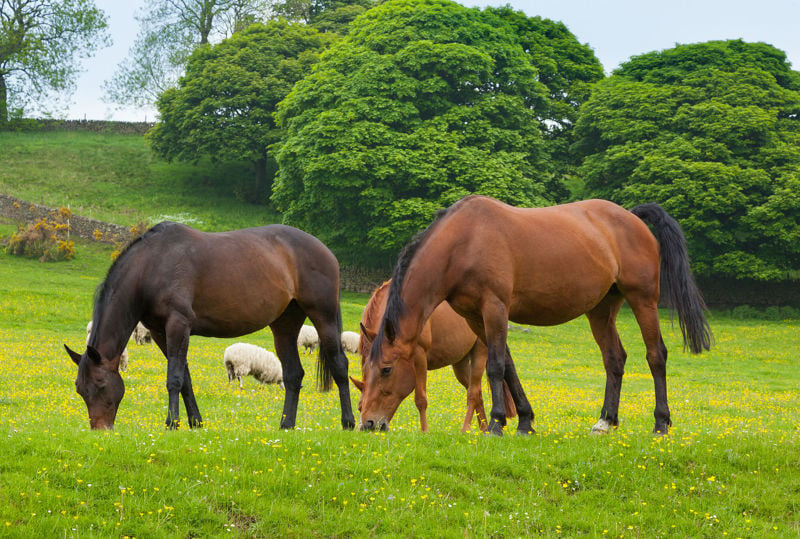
{"type": "Point", "coordinates": [369, 424]}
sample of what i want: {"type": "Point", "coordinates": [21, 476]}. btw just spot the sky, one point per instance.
{"type": "Point", "coordinates": [614, 29]}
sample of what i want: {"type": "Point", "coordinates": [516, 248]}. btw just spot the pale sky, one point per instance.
{"type": "Point", "coordinates": [615, 29]}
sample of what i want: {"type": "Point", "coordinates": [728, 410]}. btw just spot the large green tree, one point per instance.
{"type": "Point", "coordinates": [223, 106]}
{"type": "Point", "coordinates": [41, 44]}
{"type": "Point", "coordinates": [712, 132]}
{"type": "Point", "coordinates": [424, 102]}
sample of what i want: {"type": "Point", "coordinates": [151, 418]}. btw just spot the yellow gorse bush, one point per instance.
{"type": "Point", "coordinates": [47, 239]}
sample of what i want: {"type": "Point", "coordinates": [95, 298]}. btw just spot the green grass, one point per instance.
{"type": "Point", "coordinates": [116, 178]}
{"type": "Point", "coordinates": [728, 468]}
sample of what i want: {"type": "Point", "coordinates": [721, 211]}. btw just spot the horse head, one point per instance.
{"type": "Point", "coordinates": [386, 380]}
{"type": "Point", "coordinates": [100, 385]}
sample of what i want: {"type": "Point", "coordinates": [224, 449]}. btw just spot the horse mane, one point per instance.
{"type": "Point", "coordinates": [372, 316]}
{"type": "Point", "coordinates": [105, 290]}
{"type": "Point", "coordinates": [394, 304]}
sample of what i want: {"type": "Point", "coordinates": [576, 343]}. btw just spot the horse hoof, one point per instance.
{"type": "Point", "coordinates": [495, 429]}
{"type": "Point", "coordinates": [601, 427]}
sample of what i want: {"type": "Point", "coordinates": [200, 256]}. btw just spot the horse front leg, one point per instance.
{"type": "Point", "coordinates": [177, 345]}
{"type": "Point", "coordinates": [189, 401]}
{"type": "Point", "coordinates": [421, 390]}
{"type": "Point", "coordinates": [524, 408]}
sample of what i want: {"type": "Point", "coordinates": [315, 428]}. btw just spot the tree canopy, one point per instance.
{"type": "Point", "coordinates": [223, 105]}
{"type": "Point", "coordinates": [424, 102]}
{"type": "Point", "coordinates": [712, 132]}
{"type": "Point", "coordinates": [41, 43]}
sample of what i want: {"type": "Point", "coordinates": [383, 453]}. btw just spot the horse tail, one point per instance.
{"type": "Point", "coordinates": [326, 363]}
{"type": "Point", "coordinates": [677, 280]}
{"type": "Point", "coordinates": [508, 401]}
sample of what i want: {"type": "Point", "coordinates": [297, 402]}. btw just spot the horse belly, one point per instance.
{"type": "Point", "coordinates": [237, 314]}
{"type": "Point", "coordinates": [559, 301]}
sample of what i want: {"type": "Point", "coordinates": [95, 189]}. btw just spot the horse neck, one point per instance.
{"type": "Point", "coordinates": [114, 322]}
{"type": "Point", "coordinates": [422, 292]}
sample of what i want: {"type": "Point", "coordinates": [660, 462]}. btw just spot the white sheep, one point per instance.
{"type": "Point", "coordinates": [141, 334]}
{"type": "Point", "coordinates": [242, 359]}
{"type": "Point", "coordinates": [350, 341]}
{"type": "Point", "coordinates": [308, 338]}
{"type": "Point", "coordinates": [123, 358]}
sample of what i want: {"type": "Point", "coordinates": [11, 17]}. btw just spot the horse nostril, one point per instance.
{"type": "Point", "coordinates": [369, 425]}
{"type": "Point", "coordinates": [384, 426]}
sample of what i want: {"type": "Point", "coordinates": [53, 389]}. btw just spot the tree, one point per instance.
{"type": "Point", "coordinates": [324, 15]}
{"type": "Point", "coordinates": [424, 102]}
{"type": "Point", "coordinates": [41, 43]}
{"type": "Point", "coordinates": [169, 30]}
{"type": "Point", "coordinates": [712, 132]}
{"type": "Point", "coordinates": [223, 106]}
{"type": "Point", "coordinates": [568, 68]}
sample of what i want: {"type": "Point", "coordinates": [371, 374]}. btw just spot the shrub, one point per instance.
{"type": "Point", "coordinates": [47, 239]}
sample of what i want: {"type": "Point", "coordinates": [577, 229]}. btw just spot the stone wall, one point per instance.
{"type": "Point", "coordinates": [21, 211]}
{"type": "Point", "coordinates": [93, 126]}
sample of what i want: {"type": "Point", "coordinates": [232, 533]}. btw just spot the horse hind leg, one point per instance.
{"type": "Point", "coordinates": [284, 331]}
{"type": "Point", "coordinates": [602, 320]}
{"type": "Point", "coordinates": [464, 371]}
{"type": "Point", "coordinates": [333, 361]}
{"type": "Point", "coordinates": [646, 313]}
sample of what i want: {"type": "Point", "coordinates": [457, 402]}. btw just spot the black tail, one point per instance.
{"type": "Point", "coordinates": [326, 364]}
{"type": "Point", "coordinates": [677, 282]}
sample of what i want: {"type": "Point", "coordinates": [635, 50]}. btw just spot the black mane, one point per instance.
{"type": "Point", "coordinates": [105, 290]}
{"type": "Point", "coordinates": [394, 303]}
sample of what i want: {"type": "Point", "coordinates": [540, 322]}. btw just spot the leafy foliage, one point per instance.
{"type": "Point", "coordinates": [41, 42]}
{"type": "Point", "coordinates": [712, 132]}
{"type": "Point", "coordinates": [422, 103]}
{"type": "Point", "coordinates": [224, 104]}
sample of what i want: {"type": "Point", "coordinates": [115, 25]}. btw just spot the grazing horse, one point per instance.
{"type": "Point", "coordinates": [545, 266]}
{"type": "Point", "coordinates": [446, 339]}
{"type": "Point", "coordinates": [180, 282]}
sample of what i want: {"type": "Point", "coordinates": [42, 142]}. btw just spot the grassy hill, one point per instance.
{"type": "Point", "coordinates": [115, 178]}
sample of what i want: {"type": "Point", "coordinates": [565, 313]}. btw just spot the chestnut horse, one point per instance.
{"type": "Point", "coordinates": [180, 282]}
{"type": "Point", "coordinates": [446, 339]}
{"type": "Point", "coordinates": [544, 266]}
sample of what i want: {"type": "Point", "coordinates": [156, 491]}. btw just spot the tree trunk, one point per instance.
{"type": "Point", "coordinates": [3, 101]}
{"type": "Point", "coordinates": [262, 190]}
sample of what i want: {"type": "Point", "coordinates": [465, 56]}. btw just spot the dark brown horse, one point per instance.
{"type": "Point", "coordinates": [494, 263]}
{"type": "Point", "coordinates": [446, 339]}
{"type": "Point", "coordinates": [181, 282]}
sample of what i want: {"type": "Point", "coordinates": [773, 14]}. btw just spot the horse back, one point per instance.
{"type": "Point", "coordinates": [548, 264]}
{"type": "Point", "coordinates": [237, 282]}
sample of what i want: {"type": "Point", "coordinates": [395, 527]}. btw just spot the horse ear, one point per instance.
{"type": "Point", "coordinates": [358, 383]}
{"type": "Point", "coordinates": [75, 356]}
{"type": "Point", "coordinates": [93, 354]}
{"type": "Point", "coordinates": [369, 335]}
{"type": "Point", "coordinates": [388, 330]}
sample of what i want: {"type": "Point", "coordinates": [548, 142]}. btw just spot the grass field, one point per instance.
{"type": "Point", "coordinates": [729, 468]}
{"type": "Point", "coordinates": [116, 178]}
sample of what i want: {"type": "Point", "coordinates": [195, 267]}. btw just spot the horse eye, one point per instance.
{"type": "Point", "coordinates": [386, 371]}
